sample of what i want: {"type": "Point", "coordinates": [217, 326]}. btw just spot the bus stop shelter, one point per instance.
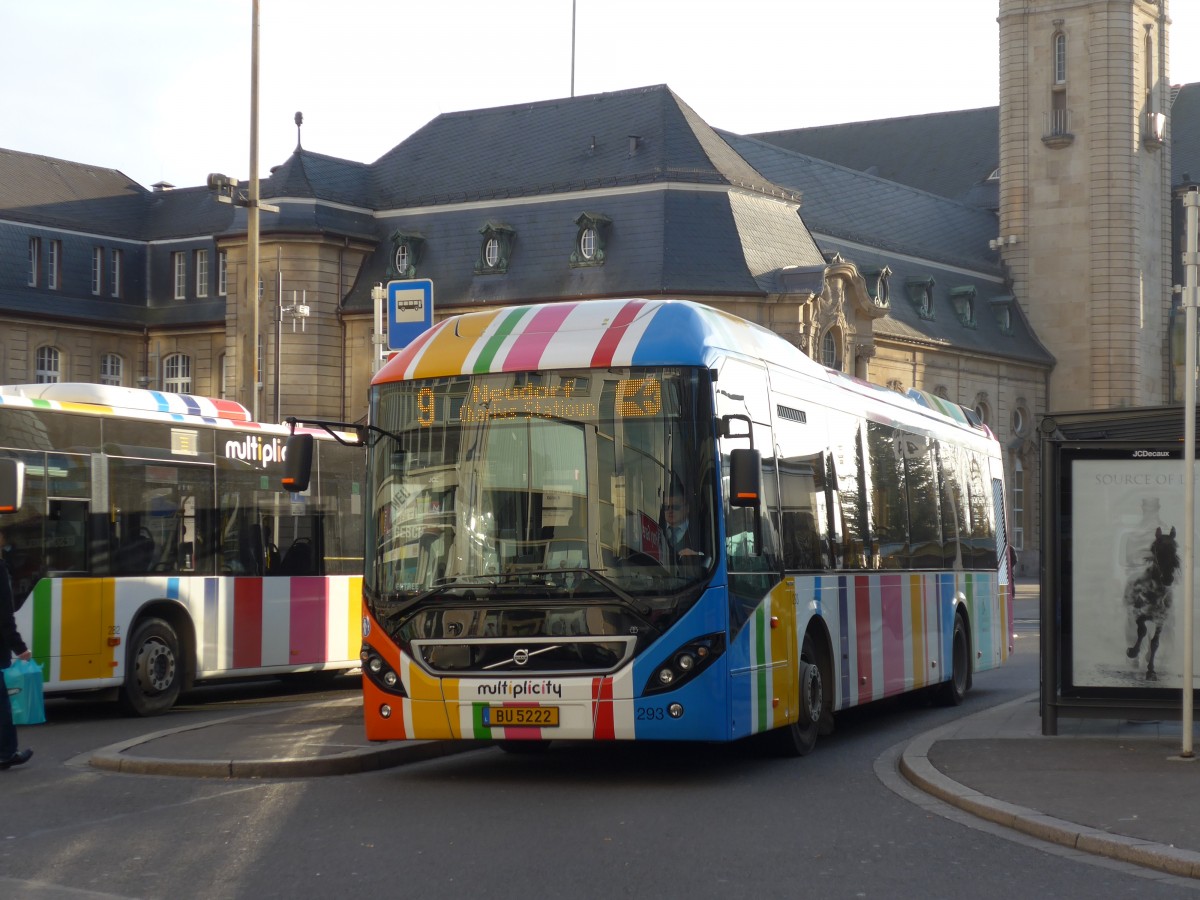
{"type": "Point", "coordinates": [1112, 604]}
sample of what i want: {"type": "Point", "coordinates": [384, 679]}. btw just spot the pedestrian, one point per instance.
{"type": "Point", "coordinates": [10, 643]}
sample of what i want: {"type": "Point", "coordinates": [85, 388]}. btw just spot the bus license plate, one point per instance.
{"type": "Point", "coordinates": [520, 716]}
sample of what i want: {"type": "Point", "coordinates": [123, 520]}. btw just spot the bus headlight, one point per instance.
{"type": "Point", "coordinates": [685, 663]}
{"type": "Point", "coordinates": [377, 670]}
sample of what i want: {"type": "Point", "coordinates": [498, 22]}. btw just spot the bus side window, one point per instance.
{"type": "Point", "coordinates": [66, 535]}
{"type": "Point", "coordinates": [889, 500]}
{"type": "Point", "coordinates": [802, 482]}
{"type": "Point", "coordinates": [849, 506]}
{"type": "Point", "coordinates": [954, 505]}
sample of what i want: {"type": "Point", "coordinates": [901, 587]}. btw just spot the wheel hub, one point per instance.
{"type": "Point", "coordinates": [812, 695]}
{"type": "Point", "coordinates": [156, 666]}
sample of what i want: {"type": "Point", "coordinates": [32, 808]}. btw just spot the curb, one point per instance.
{"type": "Point", "coordinates": [116, 758]}
{"type": "Point", "coordinates": [921, 773]}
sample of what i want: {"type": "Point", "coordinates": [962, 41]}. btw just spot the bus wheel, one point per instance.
{"type": "Point", "coordinates": [155, 672]}
{"type": "Point", "coordinates": [952, 692]}
{"type": "Point", "coordinates": [800, 737]}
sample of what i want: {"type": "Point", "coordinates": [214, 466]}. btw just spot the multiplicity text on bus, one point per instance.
{"type": "Point", "coordinates": [612, 520]}
{"type": "Point", "coordinates": [151, 548]}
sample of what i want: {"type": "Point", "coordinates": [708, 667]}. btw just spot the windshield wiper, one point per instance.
{"type": "Point", "coordinates": [445, 586]}
{"type": "Point", "coordinates": [607, 583]}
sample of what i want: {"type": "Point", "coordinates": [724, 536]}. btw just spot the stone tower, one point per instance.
{"type": "Point", "coordinates": [1085, 192]}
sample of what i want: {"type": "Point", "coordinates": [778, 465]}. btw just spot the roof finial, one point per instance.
{"type": "Point", "coordinates": [299, 122]}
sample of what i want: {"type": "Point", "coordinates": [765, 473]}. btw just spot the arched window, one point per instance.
{"type": "Point", "coordinates": [1149, 71]}
{"type": "Point", "coordinates": [1060, 58]}
{"type": "Point", "coordinates": [587, 244]}
{"type": "Point", "coordinates": [829, 349]}
{"type": "Point", "coordinates": [112, 369]}
{"type": "Point", "coordinates": [177, 374]}
{"type": "Point", "coordinates": [983, 411]}
{"type": "Point", "coordinates": [49, 366]}
{"type": "Point", "coordinates": [1020, 420]}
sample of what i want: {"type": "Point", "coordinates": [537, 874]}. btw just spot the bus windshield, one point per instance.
{"type": "Point", "coordinates": [569, 485]}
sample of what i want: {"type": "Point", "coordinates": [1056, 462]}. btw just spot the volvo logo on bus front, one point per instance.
{"type": "Point", "coordinates": [366, 626]}
{"type": "Point", "coordinates": [521, 657]}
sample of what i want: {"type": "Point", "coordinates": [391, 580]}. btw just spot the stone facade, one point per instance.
{"type": "Point", "coordinates": [1085, 192]}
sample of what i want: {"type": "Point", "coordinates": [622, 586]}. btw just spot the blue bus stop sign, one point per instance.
{"type": "Point", "coordinates": [409, 311]}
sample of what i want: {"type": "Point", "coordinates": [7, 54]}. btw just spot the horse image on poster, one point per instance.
{"type": "Point", "coordinates": [1148, 596]}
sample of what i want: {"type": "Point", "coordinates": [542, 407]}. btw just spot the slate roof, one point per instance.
{"type": "Point", "coordinates": [874, 211]}
{"type": "Point", "coordinates": [535, 149]}
{"type": "Point", "coordinates": [320, 177]}
{"type": "Point", "coordinates": [873, 223]}
{"type": "Point", "coordinates": [666, 242]}
{"type": "Point", "coordinates": [57, 193]}
{"type": "Point", "coordinates": [950, 154]}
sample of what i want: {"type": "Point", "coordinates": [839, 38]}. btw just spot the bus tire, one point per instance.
{"type": "Point", "coordinates": [953, 691]}
{"type": "Point", "coordinates": [800, 737]}
{"type": "Point", "coordinates": [154, 672]}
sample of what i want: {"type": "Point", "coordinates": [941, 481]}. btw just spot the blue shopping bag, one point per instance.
{"type": "Point", "coordinates": [24, 682]}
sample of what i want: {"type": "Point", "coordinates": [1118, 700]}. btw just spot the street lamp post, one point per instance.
{"type": "Point", "coordinates": [255, 380]}
{"type": "Point", "coordinates": [249, 367]}
{"type": "Point", "coordinates": [1191, 300]}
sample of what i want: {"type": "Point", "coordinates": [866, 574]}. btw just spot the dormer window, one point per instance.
{"type": "Point", "coordinates": [496, 249]}
{"type": "Point", "coordinates": [406, 253]}
{"type": "Point", "coordinates": [590, 240]}
{"type": "Point", "coordinates": [920, 294]}
{"type": "Point", "coordinates": [963, 299]}
{"type": "Point", "coordinates": [1002, 309]}
{"type": "Point", "coordinates": [878, 287]}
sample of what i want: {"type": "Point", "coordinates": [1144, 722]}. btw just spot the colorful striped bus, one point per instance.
{"type": "Point", "coordinates": [152, 549]}
{"type": "Point", "coordinates": [528, 467]}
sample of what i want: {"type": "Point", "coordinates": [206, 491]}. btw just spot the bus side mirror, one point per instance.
{"type": "Point", "coordinates": [745, 477]}
{"type": "Point", "coordinates": [297, 463]}
{"type": "Point", "coordinates": [12, 485]}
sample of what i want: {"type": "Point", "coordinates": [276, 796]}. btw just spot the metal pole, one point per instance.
{"type": "Point", "coordinates": [255, 379]}
{"type": "Point", "coordinates": [1191, 299]}
{"type": "Point", "coordinates": [278, 330]}
{"type": "Point", "coordinates": [379, 338]}
{"type": "Point", "coordinates": [572, 48]}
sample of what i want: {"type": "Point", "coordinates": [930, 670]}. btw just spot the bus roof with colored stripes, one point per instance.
{"type": "Point", "coordinates": [632, 332]}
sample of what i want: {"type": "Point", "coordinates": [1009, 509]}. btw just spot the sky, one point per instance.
{"type": "Point", "coordinates": [160, 89]}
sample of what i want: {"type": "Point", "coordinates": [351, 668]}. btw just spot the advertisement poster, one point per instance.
{"type": "Point", "coordinates": [1126, 580]}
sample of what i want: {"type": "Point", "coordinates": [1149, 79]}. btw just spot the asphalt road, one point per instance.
{"type": "Point", "coordinates": [580, 820]}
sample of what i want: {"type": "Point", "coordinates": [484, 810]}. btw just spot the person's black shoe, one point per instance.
{"type": "Point", "coordinates": [17, 759]}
